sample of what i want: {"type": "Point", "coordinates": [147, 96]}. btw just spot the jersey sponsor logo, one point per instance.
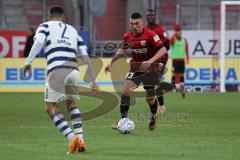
{"type": "Point", "coordinates": [140, 50]}
{"type": "Point", "coordinates": [143, 43]}
{"type": "Point", "coordinates": [63, 41]}
{"type": "Point", "coordinates": [156, 38]}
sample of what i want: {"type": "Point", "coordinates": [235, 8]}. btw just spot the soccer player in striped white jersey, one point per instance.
{"type": "Point", "coordinates": [62, 45]}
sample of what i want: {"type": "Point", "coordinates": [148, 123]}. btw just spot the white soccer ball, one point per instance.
{"type": "Point", "coordinates": [125, 126]}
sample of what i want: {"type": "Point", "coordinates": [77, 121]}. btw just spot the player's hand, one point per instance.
{"type": "Point", "coordinates": [108, 68]}
{"type": "Point", "coordinates": [26, 68]}
{"type": "Point", "coordinates": [94, 87]}
{"type": "Point", "coordinates": [145, 66]}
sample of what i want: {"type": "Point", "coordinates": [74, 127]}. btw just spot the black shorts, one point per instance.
{"type": "Point", "coordinates": [149, 80]}
{"type": "Point", "coordinates": [178, 66]}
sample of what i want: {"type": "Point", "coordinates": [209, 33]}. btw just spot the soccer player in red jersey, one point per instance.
{"type": "Point", "coordinates": [147, 49]}
{"type": "Point", "coordinates": [153, 26]}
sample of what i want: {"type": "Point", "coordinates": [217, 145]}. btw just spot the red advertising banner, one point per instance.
{"type": "Point", "coordinates": [12, 43]}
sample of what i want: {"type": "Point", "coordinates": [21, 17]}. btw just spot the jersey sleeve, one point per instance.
{"type": "Point", "coordinates": [82, 48]}
{"type": "Point", "coordinates": [171, 41]}
{"type": "Point", "coordinates": [155, 40]}
{"type": "Point", "coordinates": [125, 42]}
{"type": "Point", "coordinates": [162, 34]}
{"type": "Point", "coordinates": [82, 52]}
{"type": "Point", "coordinates": [39, 39]}
{"type": "Point", "coordinates": [42, 32]}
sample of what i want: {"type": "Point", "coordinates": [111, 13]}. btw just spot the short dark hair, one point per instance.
{"type": "Point", "coordinates": [136, 16]}
{"type": "Point", "coordinates": [56, 11]}
{"type": "Point", "coordinates": [151, 10]}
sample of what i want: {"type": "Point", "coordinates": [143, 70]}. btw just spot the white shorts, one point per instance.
{"type": "Point", "coordinates": [57, 90]}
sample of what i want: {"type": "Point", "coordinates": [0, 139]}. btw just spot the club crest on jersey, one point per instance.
{"type": "Point", "coordinates": [156, 38]}
{"type": "Point", "coordinates": [143, 43]}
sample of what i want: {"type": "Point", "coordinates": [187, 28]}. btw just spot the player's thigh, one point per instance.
{"type": "Point", "coordinates": [73, 78]}
{"type": "Point", "coordinates": [133, 80]}
{"type": "Point", "coordinates": [51, 95]}
{"type": "Point", "coordinates": [129, 85]}
{"type": "Point", "coordinates": [150, 91]}
{"type": "Point", "coordinates": [72, 85]}
{"type": "Point", "coordinates": [151, 79]}
{"type": "Point", "coordinates": [51, 107]}
{"type": "Point", "coordinates": [70, 103]}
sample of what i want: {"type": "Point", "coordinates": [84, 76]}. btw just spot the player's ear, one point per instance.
{"type": "Point", "coordinates": [49, 18]}
{"type": "Point", "coordinates": [64, 18]}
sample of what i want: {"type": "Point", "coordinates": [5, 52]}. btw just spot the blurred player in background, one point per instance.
{"type": "Point", "coordinates": [153, 26]}
{"type": "Point", "coordinates": [29, 42]}
{"type": "Point", "coordinates": [147, 49]}
{"type": "Point", "coordinates": [179, 56]}
{"type": "Point", "coordinates": [61, 44]}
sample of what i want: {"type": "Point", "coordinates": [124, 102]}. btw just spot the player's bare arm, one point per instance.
{"type": "Point", "coordinates": [90, 71]}
{"type": "Point", "coordinates": [146, 64]}
{"type": "Point", "coordinates": [120, 52]}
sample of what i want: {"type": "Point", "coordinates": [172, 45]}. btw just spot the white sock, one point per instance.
{"type": "Point", "coordinates": [62, 125]}
{"type": "Point", "coordinates": [76, 121]}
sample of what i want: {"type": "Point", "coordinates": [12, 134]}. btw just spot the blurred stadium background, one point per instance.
{"type": "Point", "coordinates": [103, 22]}
{"type": "Point", "coordinates": [203, 126]}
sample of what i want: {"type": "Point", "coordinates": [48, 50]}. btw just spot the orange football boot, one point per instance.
{"type": "Point", "coordinates": [80, 145]}
{"type": "Point", "coordinates": [73, 145]}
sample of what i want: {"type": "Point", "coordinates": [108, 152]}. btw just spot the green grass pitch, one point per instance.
{"type": "Point", "coordinates": [201, 127]}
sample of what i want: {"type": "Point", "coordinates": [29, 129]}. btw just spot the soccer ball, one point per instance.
{"type": "Point", "coordinates": [125, 126]}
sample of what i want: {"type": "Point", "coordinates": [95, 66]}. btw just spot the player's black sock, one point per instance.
{"type": "Point", "coordinates": [124, 106]}
{"type": "Point", "coordinates": [159, 92]}
{"type": "Point", "coordinates": [153, 108]}
{"type": "Point", "coordinates": [160, 100]}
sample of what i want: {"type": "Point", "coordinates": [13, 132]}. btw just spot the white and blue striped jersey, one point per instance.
{"type": "Point", "coordinates": [61, 43]}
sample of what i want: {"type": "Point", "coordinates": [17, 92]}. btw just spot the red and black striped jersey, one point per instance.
{"type": "Point", "coordinates": [143, 46]}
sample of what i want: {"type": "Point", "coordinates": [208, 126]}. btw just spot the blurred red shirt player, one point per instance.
{"type": "Point", "coordinates": [153, 26]}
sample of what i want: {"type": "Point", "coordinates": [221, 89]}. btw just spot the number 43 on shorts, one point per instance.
{"type": "Point", "coordinates": [130, 75]}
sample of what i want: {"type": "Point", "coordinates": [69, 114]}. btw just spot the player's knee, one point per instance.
{"type": "Point", "coordinates": [159, 91]}
{"type": "Point", "coordinates": [47, 110]}
{"type": "Point", "coordinates": [125, 92]}
{"type": "Point", "coordinates": [70, 103]}
{"type": "Point", "coordinates": [150, 100]}
{"type": "Point", "coordinates": [50, 108]}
